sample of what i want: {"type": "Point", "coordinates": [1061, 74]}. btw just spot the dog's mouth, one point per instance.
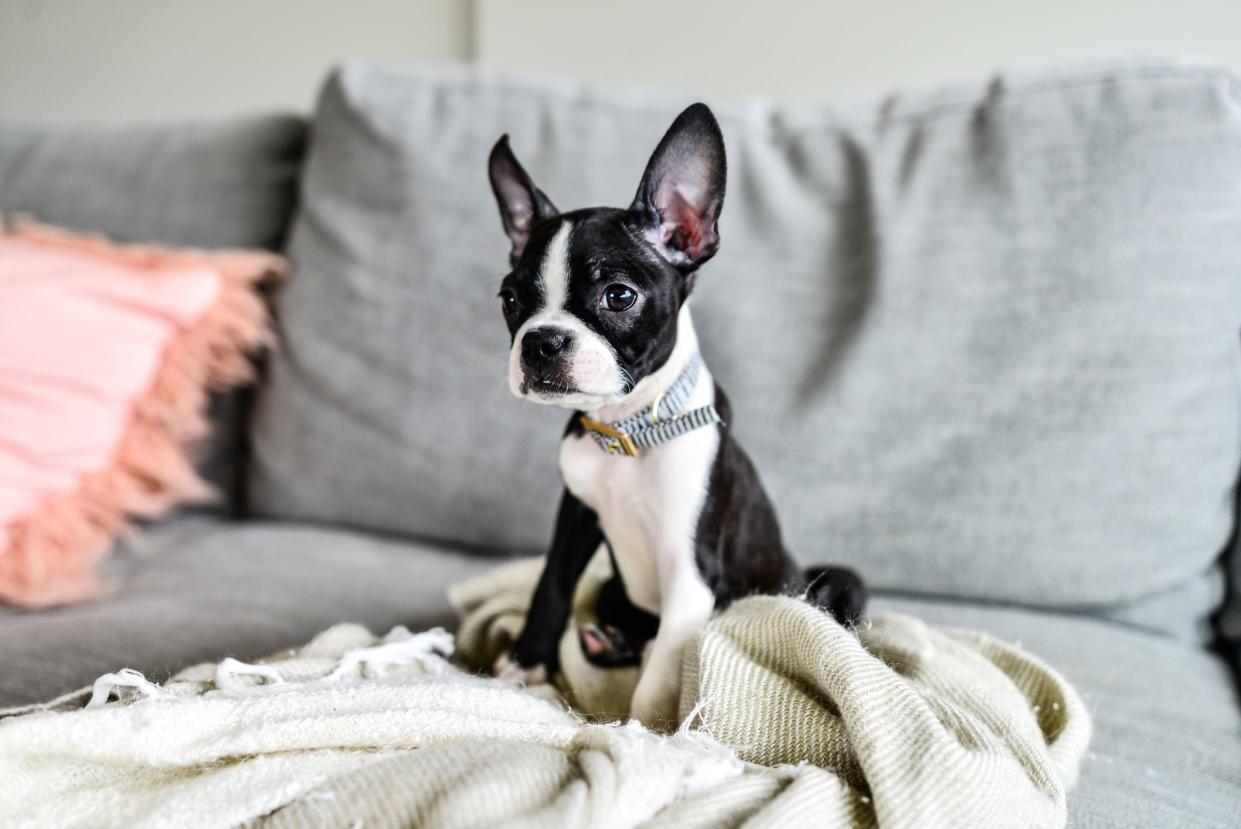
{"type": "Point", "coordinates": [546, 387]}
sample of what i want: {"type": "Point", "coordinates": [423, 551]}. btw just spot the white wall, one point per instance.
{"type": "Point", "coordinates": [126, 60]}
{"type": "Point", "coordinates": [803, 47]}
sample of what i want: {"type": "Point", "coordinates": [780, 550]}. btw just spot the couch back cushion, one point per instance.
{"type": "Point", "coordinates": [225, 184]}
{"type": "Point", "coordinates": [981, 341]}
{"type": "Point", "coordinates": [221, 184]}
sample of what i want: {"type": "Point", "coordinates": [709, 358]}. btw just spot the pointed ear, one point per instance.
{"type": "Point", "coordinates": [682, 191]}
{"type": "Point", "coordinates": [522, 205]}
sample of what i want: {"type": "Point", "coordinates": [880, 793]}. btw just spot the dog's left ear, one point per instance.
{"type": "Point", "coordinates": [682, 190]}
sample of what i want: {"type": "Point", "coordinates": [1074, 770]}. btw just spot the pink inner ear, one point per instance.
{"type": "Point", "coordinates": [682, 226]}
{"type": "Point", "coordinates": [521, 221]}
{"type": "Point", "coordinates": [520, 214]}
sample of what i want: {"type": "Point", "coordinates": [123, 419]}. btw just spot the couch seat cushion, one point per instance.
{"type": "Point", "coordinates": [201, 587]}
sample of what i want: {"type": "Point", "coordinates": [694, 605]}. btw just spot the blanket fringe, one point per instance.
{"type": "Point", "coordinates": [428, 650]}
{"type": "Point", "coordinates": [103, 688]}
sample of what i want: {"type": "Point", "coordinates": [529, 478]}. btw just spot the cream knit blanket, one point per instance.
{"type": "Point", "coordinates": [791, 721]}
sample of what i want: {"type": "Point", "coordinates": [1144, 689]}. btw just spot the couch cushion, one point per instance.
{"type": "Point", "coordinates": [200, 588]}
{"type": "Point", "coordinates": [227, 184]}
{"type": "Point", "coordinates": [210, 185]}
{"type": "Point", "coordinates": [982, 340]}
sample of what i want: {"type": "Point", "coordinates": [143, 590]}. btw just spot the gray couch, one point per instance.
{"type": "Point", "coordinates": [983, 342]}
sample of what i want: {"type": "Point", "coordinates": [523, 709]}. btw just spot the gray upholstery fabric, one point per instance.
{"type": "Point", "coordinates": [1167, 749]}
{"type": "Point", "coordinates": [228, 184]}
{"type": "Point", "coordinates": [1228, 621]}
{"type": "Point", "coordinates": [981, 341]}
{"type": "Point", "coordinates": [209, 185]}
{"type": "Point", "coordinates": [200, 588]}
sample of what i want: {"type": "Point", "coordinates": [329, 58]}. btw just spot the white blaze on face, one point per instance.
{"type": "Point", "coordinates": [554, 272]}
{"type": "Point", "coordinates": [593, 368]}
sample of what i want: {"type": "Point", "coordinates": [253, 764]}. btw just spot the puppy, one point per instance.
{"type": "Point", "coordinates": [596, 304]}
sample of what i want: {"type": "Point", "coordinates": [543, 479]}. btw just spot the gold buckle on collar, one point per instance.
{"type": "Point", "coordinates": [617, 443]}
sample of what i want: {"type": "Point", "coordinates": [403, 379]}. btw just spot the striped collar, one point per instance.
{"type": "Point", "coordinates": [660, 422]}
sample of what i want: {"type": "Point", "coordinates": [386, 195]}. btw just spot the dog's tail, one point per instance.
{"type": "Point", "coordinates": [838, 590]}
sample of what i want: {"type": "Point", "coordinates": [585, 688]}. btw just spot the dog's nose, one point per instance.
{"type": "Point", "coordinates": [542, 344]}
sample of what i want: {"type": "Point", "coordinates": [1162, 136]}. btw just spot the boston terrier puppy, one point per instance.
{"type": "Point", "coordinates": [596, 304]}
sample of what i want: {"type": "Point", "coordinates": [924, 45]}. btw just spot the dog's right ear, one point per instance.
{"type": "Point", "coordinates": [522, 205]}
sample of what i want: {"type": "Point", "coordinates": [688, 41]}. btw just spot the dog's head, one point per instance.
{"type": "Point", "coordinates": [594, 295]}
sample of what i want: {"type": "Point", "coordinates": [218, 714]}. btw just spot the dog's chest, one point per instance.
{"type": "Point", "coordinates": [648, 506]}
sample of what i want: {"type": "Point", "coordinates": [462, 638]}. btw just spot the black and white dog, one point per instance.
{"type": "Point", "coordinates": [596, 304]}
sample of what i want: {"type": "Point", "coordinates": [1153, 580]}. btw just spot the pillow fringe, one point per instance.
{"type": "Point", "coordinates": [54, 552]}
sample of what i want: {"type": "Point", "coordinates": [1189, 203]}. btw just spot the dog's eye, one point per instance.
{"type": "Point", "coordinates": [619, 297]}
{"type": "Point", "coordinates": [508, 300]}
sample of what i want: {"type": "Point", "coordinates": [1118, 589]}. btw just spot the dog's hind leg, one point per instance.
{"type": "Point", "coordinates": [622, 632]}
{"type": "Point", "coordinates": [839, 591]}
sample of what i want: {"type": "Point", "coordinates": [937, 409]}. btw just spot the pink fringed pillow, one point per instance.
{"type": "Point", "coordinates": [107, 353]}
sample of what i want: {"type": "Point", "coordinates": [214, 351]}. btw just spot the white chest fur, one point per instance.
{"type": "Point", "coordinates": [648, 506]}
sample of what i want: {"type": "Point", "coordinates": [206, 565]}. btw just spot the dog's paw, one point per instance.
{"type": "Point", "coordinates": [607, 646]}
{"type": "Point", "coordinates": [509, 671]}
{"type": "Point", "coordinates": [654, 702]}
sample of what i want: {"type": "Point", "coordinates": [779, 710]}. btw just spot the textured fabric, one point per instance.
{"type": "Point", "coordinates": [981, 341]}
{"type": "Point", "coordinates": [1166, 749]}
{"type": "Point", "coordinates": [781, 681]}
{"type": "Point", "coordinates": [1228, 621]}
{"type": "Point", "coordinates": [1167, 743]}
{"type": "Point", "coordinates": [927, 729]}
{"type": "Point", "coordinates": [212, 185]}
{"type": "Point", "coordinates": [107, 353]}
{"type": "Point", "coordinates": [225, 184]}
{"type": "Point", "coordinates": [202, 588]}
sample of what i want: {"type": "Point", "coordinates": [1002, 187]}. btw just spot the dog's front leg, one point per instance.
{"type": "Point", "coordinates": [535, 656]}
{"type": "Point", "coordinates": [685, 605]}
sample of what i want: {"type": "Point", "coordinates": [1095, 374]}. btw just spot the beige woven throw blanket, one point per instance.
{"type": "Point", "coordinates": [790, 721]}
